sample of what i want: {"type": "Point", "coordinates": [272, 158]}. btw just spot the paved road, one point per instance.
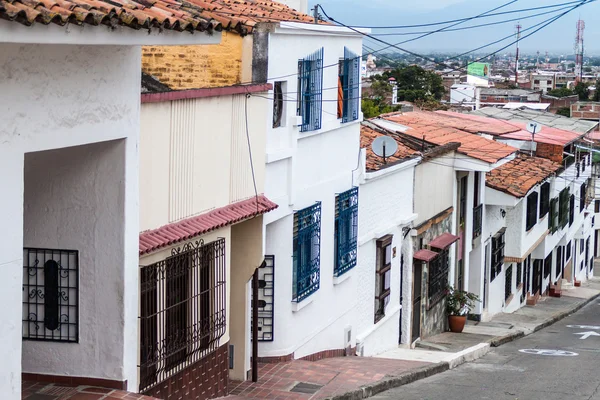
{"type": "Point", "coordinates": [507, 373]}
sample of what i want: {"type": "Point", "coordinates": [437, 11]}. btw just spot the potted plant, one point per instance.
{"type": "Point", "coordinates": [458, 305]}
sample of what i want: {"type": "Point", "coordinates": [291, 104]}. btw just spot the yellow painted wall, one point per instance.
{"type": "Point", "coordinates": [196, 66]}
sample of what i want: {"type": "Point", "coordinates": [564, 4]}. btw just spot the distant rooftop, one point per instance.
{"type": "Point", "coordinates": [545, 118]}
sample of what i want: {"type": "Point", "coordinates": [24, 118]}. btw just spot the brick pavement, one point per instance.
{"type": "Point", "coordinates": [336, 375]}
{"type": "Point", "coordinates": [51, 391]}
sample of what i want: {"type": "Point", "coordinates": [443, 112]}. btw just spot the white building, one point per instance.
{"type": "Point", "coordinates": [70, 100]}
{"type": "Point", "coordinates": [312, 151]}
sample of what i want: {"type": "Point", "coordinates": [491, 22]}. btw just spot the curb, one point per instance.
{"type": "Point", "coordinates": [424, 372]}
{"type": "Point", "coordinates": [393, 382]}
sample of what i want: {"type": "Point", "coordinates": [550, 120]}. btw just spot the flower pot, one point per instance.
{"type": "Point", "coordinates": [457, 323]}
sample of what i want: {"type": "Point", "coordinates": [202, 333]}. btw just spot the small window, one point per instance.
{"type": "Point", "coordinates": [532, 207]}
{"type": "Point", "coordinates": [563, 208]}
{"type": "Point", "coordinates": [519, 274]}
{"type": "Point", "coordinates": [348, 86]}
{"type": "Point", "coordinates": [383, 275]}
{"type": "Point", "coordinates": [582, 193]}
{"type": "Point", "coordinates": [545, 199]}
{"type": "Point", "coordinates": [549, 82]}
{"type": "Point", "coordinates": [508, 283]}
{"type": "Point", "coordinates": [537, 81]}
{"type": "Point", "coordinates": [597, 206]}
{"type": "Point", "coordinates": [568, 251]}
{"type": "Point", "coordinates": [548, 265]}
{"type": "Point", "coordinates": [346, 231]}
{"type": "Point", "coordinates": [554, 220]}
{"type": "Point", "coordinates": [306, 252]}
{"type": "Point", "coordinates": [559, 261]}
{"type": "Point", "coordinates": [497, 254]}
{"type": "Point", "coordinates": [278, 104]}
{"type": "Point", "coordinates": [571, 209]}
{"type": "Point", "coordinates": [310, 91]}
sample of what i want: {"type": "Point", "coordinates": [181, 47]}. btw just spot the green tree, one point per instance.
{"type": "Point", "coordinates": [415, 83]}
{"type": "Point", "coordinates": [596, 96]}
{"type": "Point", "coordinates": [582, 90]}
{"type": "Point", "coordinates": [562, 92]}
{"type": "Point", "coordinates": [564, 111]}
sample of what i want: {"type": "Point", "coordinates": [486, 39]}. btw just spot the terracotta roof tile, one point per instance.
{"type": "Point", "coordinates": [443, 241]}
{"type": "Point", "coordinates": [374, 162]}
{"type": "Point", "coordinates": [441, 129]}
{"type": "Point", "coordinates": [519, 176]}
{"type": "Point", "coordinates": [176, 15]}
{"type": "Point", "coordinates": [186, 229]}
{"type": "Point", "coordinates": [425, 255]}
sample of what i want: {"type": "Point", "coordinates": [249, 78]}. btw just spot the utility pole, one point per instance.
{"type": "Point", "coordinates": [579, 50]}
{"type": "Point", "coordinates": [316, 13]}
{"type": "Point", "coordinates": [517, 57]}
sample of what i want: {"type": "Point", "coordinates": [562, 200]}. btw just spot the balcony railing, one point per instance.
{"type": "Point", "coordinates": [477, 220]}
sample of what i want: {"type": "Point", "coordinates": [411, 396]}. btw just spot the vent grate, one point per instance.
{"type": "Point", "coordinates": [307, 388]}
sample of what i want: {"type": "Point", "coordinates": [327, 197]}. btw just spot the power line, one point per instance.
{"type": "Point", "coordinates": [462, 19]}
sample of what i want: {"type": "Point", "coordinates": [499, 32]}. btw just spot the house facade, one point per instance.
{"type": "Point", "coordinates": [312, 152]}
{"type": "Point", "coordinates": [70, 166]}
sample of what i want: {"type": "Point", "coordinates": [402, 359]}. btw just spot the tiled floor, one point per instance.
{"type": "Point", "coordinates": [51, 391]}
{"type": "Point", "coordinates": [336, 375]}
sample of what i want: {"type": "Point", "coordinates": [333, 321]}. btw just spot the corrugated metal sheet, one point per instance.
{"type": "Point", "coordinates": [183, 120]}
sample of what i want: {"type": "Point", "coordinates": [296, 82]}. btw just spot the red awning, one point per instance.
{"type": "Point", "coordinates": [217, 218]}
{"type": "Point", "coordinates": [443, 241]}
{"type": "Point", "coordinates": [425, 255]}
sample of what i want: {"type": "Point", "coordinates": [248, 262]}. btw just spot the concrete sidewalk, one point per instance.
{"type": "Point", "coordinates": [355, 378]}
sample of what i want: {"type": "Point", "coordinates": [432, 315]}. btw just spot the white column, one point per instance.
{"type": "Point", "coordinates": [11, 268]}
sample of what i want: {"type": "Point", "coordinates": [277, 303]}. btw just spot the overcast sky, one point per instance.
{"type": "Point", "coordinates": [559, 37]}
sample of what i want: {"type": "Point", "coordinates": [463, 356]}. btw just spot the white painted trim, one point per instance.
{"type": "Point", "coordinates": [13, 32]}
{"type": "Point", "coordinates": [340, 279]}
{"type": "Point", "coordinates": [326, 127]}
{"type": "Point", "coordinates": [299, 306]}
{"type": "Point", "coordinates": [279, 155]}
{"type": "Point", "coordinates": [299, 28]}
{"type": "Point", "coordinates": [371, 176]}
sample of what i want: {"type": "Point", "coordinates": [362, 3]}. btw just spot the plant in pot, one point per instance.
{"type": "Point", "coordinates": [458, 305]}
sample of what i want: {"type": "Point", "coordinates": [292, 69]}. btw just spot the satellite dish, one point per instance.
{"type": "Point", "coordinates": [384, 146]}
{"type": "Point", "coordinates": [533, 127]}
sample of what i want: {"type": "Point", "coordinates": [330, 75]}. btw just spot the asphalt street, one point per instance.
{"type": "Point", "coordinates": [569, 370]}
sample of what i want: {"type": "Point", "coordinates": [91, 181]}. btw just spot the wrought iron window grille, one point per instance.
{"type": "Point", "coordinates": [50, 295]}
{"type": "Point", "coordinates": [182, 310]}
{"type": "Point", "coordinates": [519, 274]}
{"type": "Point", "coordinates": [383, 276]}
{"type": "Point", "coordinates": [307, 252]}
{"type": "Point", "coordinates": [310, 91]}
{"type": "Point", "coordinates": [532, 209]}
{"type": "Point", "coordinates": [439, 269]}
{"type": "Point", "coordinates": [346, 231]}
{"type": "Point", "coordinates": [497, 254]}
{"type": "Point", "coordinates": [544, 199]}
{"type": "Point", "coordinates": [508, 283]}
{"type": "Point", "coordinates": [350, 84]}
{"type": "Point", "coordinates": [477, 220]}
{"type": "Point", "coordinates": [266, 299]}
{"type": "Point", "coordinates": [563, 208]}
{"type": "Point", "coordinates": [547, 266]}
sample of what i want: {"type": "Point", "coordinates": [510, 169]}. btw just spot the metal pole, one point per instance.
{"type": "Point", "coordinates": [255, 326]}
{"type": "Point", "coordinates": [316, 13]}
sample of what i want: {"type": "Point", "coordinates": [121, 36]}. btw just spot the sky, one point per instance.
{"type": "Point", "coordinates": [557, 38]}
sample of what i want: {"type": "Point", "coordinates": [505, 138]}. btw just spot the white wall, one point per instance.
{"type": "Point", "coordinates": [56, 96]}
{"type": "Point", "coordinates": [186, 151]}
{"type": "Point", "coordinates": [303, 168]}
{"type": "Point", "coordinates": [437, 195]}
{"type": "Point", "coordinates": [385, 207]}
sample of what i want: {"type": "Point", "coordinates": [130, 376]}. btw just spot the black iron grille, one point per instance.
{"type": "Point", "coordinates": [182, 313]}
{"type": "Point", "coordinates": [50, 295]}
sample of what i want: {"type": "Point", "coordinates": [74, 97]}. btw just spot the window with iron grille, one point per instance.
{"type": "Point", "coordinates": [597, 206]}
{"type": "Point", "coordinates": [582, 193]}
{"type": "Point", "coordinates": [571, 209]}
{"type": "Point", "coordinates": [587, 252]}
{"type": "Point", "coordinates": [568, 251]}
{"type": "Point", "coordinates": [279, 88]}
{"type": "Point", "coordinates": [348, 86]}
{"type": "Point", "coordinates": [553, 221]}
{"type": "Point", "coordinates": [547, 266]}
{"type": "Point", "coordinates": [307, 252]}
{"type": "Point", "coordinates": [346, 231]}
{"type": "Point", "coordinates": [310, 91]}
{"type": "Point", "coordinates": [497, 254]}
{"type": "Point", "coordinates": [383, 275]}
{"type": "Point", "coordinates": [519, 274]}
{"type": "Point", "coordinates": [508, 282]}
{"type": "Point", "coordinates": [439, 269]}
{"type": "Point", "coordinates": [532, 208]}
{"type": "Point", "coordinates": [559, 262]}
{"type": "Point", "coordinates": [563, 208]}
{"type": "Point", "coordinates": [544, 199]}
{"type": "Point", "coordinates": [51, 295]}
{"type": "Point", "coordinates": [182, 310]}
{"type": "Point", "coordinates": [477, 220]}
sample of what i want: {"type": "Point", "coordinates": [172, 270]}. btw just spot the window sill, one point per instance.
{"type": "Point", "coordinates": [299, 306]}
{"type": "Point", "coordinates": [326, 127]}
{"type": "Point", "coordinates": [342, 278]}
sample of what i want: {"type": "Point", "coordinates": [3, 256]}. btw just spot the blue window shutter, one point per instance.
{"type": "Point", "coordinates": [310, 91]}
{"type": "Point", "coordinates": [352, 86]}
{"type": "Point", "coordinates": [346, 231]}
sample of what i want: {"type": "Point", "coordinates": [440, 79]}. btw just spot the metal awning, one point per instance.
{"type": "Point", "coordinates": [443, 241]}
{"type": "Point", "coordinates": [425, 255]}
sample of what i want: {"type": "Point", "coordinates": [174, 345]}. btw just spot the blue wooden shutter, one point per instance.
{"type": "Point", "coordinates": [351, 91]}
{"type": "Point", "coordinates": [310, 91]}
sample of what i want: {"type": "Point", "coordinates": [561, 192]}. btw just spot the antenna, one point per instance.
{"type": "Point", "coordinates": [517, 57]}
{"type": "Point", "coordinates": [533, 128]}
{"type": "Point", "coordinates": [384, 146]}
{"type": "Point", "coordinates": [579, 51]}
